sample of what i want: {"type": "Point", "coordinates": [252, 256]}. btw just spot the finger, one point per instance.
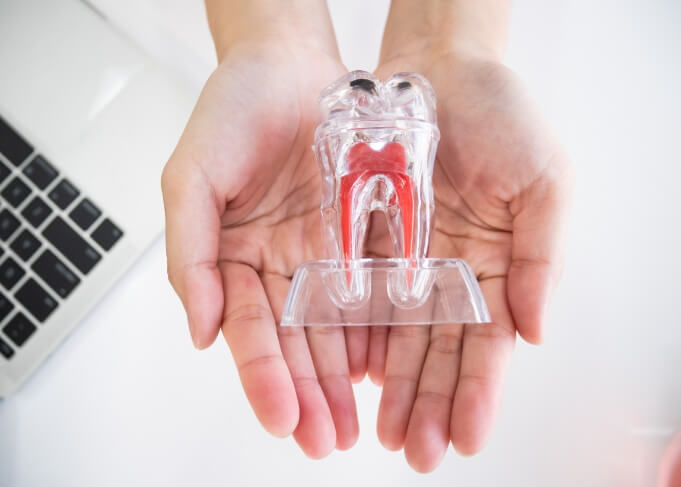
{"type": "Point", "coordinates": [407, 345]}
{"type": "Point", "coordinates": [249, 329]}
{"type": "Point", "coordinates": [328, 349]}
{"type": "Point", "coordinates": [428, 433]}
{"type": "Point", "coordinates": [539, 220]}
{"type": "Point", "coordinates": [315, 432]}
{"type": "Point", "coordinates": [381, 312]}
{"type": "Point", "coordinates": [357, 343]}
{"type": "Point", "coordinates": [378, 351]}
{"type": "Point", "coordinates": [192, 232]}
{"type": "Point", "coordinates": [486, 354]}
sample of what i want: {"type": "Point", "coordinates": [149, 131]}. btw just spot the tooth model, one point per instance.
{"type": "Point", "coordinates": [376, 148]}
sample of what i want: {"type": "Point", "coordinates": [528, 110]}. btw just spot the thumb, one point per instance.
{"type": "Point", "coordinates": [192, 233]}
{"type": "Point", "coordinates": [539, 219]}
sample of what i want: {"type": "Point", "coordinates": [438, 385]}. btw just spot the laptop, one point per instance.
{"type": "Point", "coordinates": [87, 121]}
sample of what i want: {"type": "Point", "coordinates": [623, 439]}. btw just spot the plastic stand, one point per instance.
{"type": "Point", "coordinates": [376, 150]}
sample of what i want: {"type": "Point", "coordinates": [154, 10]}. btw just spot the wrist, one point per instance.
{"type": "Point", "coordinates": [432, 28]}
{"type": "Point", "coordinates": [295, 25]}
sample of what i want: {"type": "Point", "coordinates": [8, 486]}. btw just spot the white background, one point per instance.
{"type": "Point", "coordinates": [127, 400]}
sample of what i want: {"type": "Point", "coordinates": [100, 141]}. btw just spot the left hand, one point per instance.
{"type": "Point", "coordinates": [502, 185]}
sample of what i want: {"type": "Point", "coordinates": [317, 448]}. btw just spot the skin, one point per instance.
{"type": "Point", "coordinates": [669, 474]}
{"type": "Point", "coordinates": [501, 189]}
{"type": "Point", "coordinates": [242, 199]}
{"type": "Point", "coordinates": [242, 193]}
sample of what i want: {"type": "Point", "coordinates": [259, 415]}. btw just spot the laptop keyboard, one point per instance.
{"type": "Point", "coordinates": [51, 237]}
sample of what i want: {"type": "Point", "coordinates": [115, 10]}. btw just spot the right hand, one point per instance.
{"type": "Point", "coordinates": [241, 194]}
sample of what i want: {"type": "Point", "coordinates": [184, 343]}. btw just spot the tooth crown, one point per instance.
{"type": "Point", "coordinates": [376, 147]}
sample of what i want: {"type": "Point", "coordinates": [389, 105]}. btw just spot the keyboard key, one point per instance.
{"type": "Point", "coordinates": [19, 328]}
{"type": "Point", "coordinates": [107, 234]}
{"type": "Point", "coordinates": [64, 193]}
{"type": "Point", "coordinates": [55, 273]}
{"type": "Point", "coordinates": [73, 246]}
{"type": "Point", "coordinates": [25, 245]}
{"type": "Point", "coordinates": [6, 306]}
{"type": "Point", "coordinates": [10, 273]}
{"type": "Point", "coordinates": [5, 350]}
{"type": "Point", "coordinates": [16, 192]}
{"type": "Point", "coordinates": [41, 172]}
{"type": "Point", "coordinates": [36, 300]}
{"type": "Point", "coordinates": [12, 145]}
{"type": "Point", "coordinates": [4, 171]}
{"type": "Point", "coordinates": [36, 211]}
{"type": "Point", "coordinates": [8, 224]}
{"type": "Point", "coordinates": [85, 214]}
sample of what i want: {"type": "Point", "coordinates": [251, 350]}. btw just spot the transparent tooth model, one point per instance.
{"type": "Point", "coordinates": [376, 148]}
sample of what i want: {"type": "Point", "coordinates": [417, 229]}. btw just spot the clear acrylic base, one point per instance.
{"type": "Point", "coordinates": [384, 292]}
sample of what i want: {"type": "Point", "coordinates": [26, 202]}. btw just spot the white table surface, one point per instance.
{"type": "Point", "coordinates": [127, 400]}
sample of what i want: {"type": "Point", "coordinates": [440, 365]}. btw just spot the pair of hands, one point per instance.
{"type": "Point", "coordinates": [242, 195]}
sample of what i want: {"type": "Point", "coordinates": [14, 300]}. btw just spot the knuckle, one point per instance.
{"type": "Point", "coordinates": [477, 380]}
{"type": "Point", "coordinates": [265, 361]}
{"type": "Point", "coordinates": [400, 380]}
{"type": "Point", "coordinates": [246, 314]}
{"type": "Point", "coordinates": [288, 332]}
{"type": "Point", "coordinates": [448, 344]}
{"type": "Point", "coordinates": [323, 331]}
{"type": "Point", "coordinates": [495, 331]}
{"type": "Point", "coordinates": [520, 263]}
{"type": "Point", "coordinates": [435, 396]}
{"type": "Point", "coordinates": [409, 332]}
{"type": "Point", "coordinates": [301, 383]}
{"type": "Point", "coordinates": [338, 377]}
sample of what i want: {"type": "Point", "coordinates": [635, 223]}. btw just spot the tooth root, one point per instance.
{"type": "Point", "coordinates": [354, 220]}
{"type": "Point", "coordinates": [402, 223]}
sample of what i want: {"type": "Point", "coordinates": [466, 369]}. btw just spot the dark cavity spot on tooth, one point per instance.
{"type": "Point", "coordinates": [403, 85]}
{"type": "Point", "coordinates": [363, 84]}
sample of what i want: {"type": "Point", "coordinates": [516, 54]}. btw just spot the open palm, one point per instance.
{"type": "Point", "coordinates": [501, 188]}
{"type": "Point", "coordinates": [242, 194]}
